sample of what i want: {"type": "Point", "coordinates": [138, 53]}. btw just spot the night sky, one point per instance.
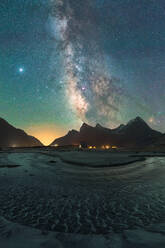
{"type": "Point", "coordinates": [64, 62]}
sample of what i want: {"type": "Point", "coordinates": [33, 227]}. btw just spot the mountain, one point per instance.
{"type": "Point", "coordinates": [134, 134]}
{"type": "Point", "coordinates": [71, 138]}
{"type": "Point", "coordinates": [159, 145]}
{"type": "Point", "coordinates": [161, 140]}
{"type": "Point", "coordinates": [13, 137]}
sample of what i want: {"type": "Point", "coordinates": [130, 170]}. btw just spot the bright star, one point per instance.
{"type": "Point", "coordinates": [151, 120]}
{"type": "Point", "coordinates": [21, 69]}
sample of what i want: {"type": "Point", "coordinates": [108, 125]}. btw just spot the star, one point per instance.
{"type": "Point", "coordinates": [151, 120]}
{"type": "Point", "coordinates": [21, 70]}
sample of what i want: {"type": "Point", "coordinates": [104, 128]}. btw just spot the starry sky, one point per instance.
{"type": "Point", "coordinates": [64, 62]}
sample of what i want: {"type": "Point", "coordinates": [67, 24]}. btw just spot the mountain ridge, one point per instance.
{"type": "Point", "coordinates": [135, 133]}
{"type": "Point", "coordinates": [11, 136]}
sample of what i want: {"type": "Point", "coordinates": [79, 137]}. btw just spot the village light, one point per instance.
{"type": "Point", "coordinates": [14, 145]}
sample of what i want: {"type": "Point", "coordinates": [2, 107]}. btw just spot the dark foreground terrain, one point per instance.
{"type": "Point", "coordinates": [81, 199]}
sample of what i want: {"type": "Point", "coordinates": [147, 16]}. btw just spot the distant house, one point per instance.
{"type": "Point", "coordinates": [92, 147]}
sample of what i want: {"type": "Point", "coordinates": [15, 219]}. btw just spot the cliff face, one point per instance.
{"type": "Point", "coordinates": [11, 136]}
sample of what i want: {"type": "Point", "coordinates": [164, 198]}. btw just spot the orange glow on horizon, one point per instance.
{"type": "Point", "coordinates": [45, 133]}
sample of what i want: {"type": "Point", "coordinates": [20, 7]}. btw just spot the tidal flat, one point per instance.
{"type": "Point", "coordinates": [83, 193]}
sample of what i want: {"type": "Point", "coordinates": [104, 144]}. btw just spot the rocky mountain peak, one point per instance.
{"type": "Point", "coordinates": [138, 120]}
{"type": "Point", "coordinates": [99, 126]}
{"type": "Point", "coordinates": [84, 126]}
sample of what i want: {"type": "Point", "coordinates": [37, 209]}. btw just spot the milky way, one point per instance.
{"type": "Point", "coordinates": [89, 86]}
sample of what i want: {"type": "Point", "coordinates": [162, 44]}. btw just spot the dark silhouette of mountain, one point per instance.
{"type": "Point", "coordinates": [71, 138]}
{"type": "Point", "coordinates": [13, 137]}
{"type": "Point", "coordinates": [161, 140]}
{"type": "Point", "coordinates": [159, 145]}
{"type": "Point", "coordinates": [135, 133]}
